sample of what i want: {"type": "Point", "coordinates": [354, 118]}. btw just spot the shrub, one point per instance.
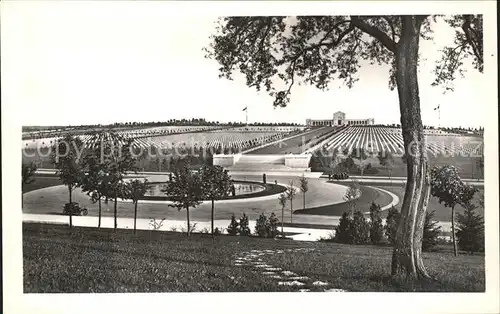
{"type": "Point", "coordinates": [243, 228]}
{"type": "Point", "coordinates": [272, 227]}
{"type": "Point", "coordinates": [261, 226]}
{"type": "Point", "coordinates": [391, 224]}
{"type": "Point", "coordinates": [470, 230]}
{"type": "Point", "coordinates": [232, 229]}
{"type": "Point", "coordinates": [217, 231]}
{"type": "Point", "coordinates": [343, 230]}
{"type": "Point", "coordinates": [431, 232]}
{"type": "Point", "coordinates": [360, 228]}
{"type": "Point", "coordinates": [376, 227]}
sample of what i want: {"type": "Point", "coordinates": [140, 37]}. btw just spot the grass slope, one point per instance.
{"type": "Point", "coordinates": [57, 259]}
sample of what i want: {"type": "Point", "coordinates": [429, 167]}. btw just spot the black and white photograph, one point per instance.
{"type": "Point", "coordinates": [302, 149]}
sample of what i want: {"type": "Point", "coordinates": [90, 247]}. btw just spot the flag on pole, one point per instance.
{"type": "Point", "coordinates": [245, 109]}
{"type": "Point", "coordinates": [437, 107]}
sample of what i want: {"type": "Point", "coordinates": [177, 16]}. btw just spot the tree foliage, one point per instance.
{"type": "Point", "coordinates": [216, 184]}
{"type": "Point", "coordinates": [185, 189]}
{"type": "Point", "coordinates": [376, 227]}
{"type": "Point", "coordinates": [431, 231]}
{"type": "Point", "coordinates": [276, 52]}
{"type": "Point", "coordinates": [470, 230]}
{"type": "Point", "coordinates": [66, 158]}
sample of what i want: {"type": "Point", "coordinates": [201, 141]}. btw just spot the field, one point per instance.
{"type": "Point", "coordinates": [168, 137]}
{"type": "Point", "coordinates": [375, 139]}
{"type": "Point", "coordinates": [82, 260]}
{"type": "Point", "coordinates": [442, 148]}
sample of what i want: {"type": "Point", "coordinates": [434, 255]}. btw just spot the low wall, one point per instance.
{"type": "Point", "coordinates": [297, 161]}
{"type": "Point", "coordinates": [224, 160]}
{"type": "Point", "coordinates": [292, 161]}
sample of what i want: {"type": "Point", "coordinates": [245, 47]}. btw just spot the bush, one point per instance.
{"type": "Point", "coordinates": [470, 230]}
{"type": "Point", "coordinates": [431, 232]}
{"type": "Point", "coordinates": [232, 229]}
{"type": "Point", "coordinates": [376, 227]}
{"type": "Point", "coordinates": [391, 224]}
{"type": "Point", "coordinates": [217, 231]}
{"type": "Point", "coordinates": [343, 230]}
{"type": "Point", "coordinates": [261, 226]}
{"type": "Point", "coordinates": [75, 209]}
{"type": "Point", "coordinates": [243, 228]}
{"type": "Point", "coordinates": [272, 229]}
{"type": "Point", "coordinates": [352, 229]}
{"type": "Point", "coordinates": [360, 229]}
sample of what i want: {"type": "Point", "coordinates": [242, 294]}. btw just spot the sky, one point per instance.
{"type": "Point", "coordinates": [89, 64]}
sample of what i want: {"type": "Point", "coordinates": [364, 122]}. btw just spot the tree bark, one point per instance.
{"type": "Point", "coordinates": [291, 211]}
{"type": "Point", "coordinates": [406, 258]}
{"type": "Point", "coordinates": [304, 200]}
{"type": "Point", "coordinates": [453, 230]}
{"type": "Point", "coordinates": [213, 206]}
{"type": "Point", "coordinates": [135, 216]}
{"type": "Point", "coordinates": [70, 208]}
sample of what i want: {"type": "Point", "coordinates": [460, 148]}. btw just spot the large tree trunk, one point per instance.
{"type": "Point", "coordinates": [453, 230]}
{"type": "Point", "coordinates": [407, 259]}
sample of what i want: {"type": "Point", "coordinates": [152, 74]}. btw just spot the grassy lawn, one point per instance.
{"type": "Point", "coordinates": [368, 195]}
{"type": "Point", "coordinates": [57, 259]}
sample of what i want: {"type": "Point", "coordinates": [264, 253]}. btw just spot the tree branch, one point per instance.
{"type": "Point", "coordinates": [391, 25]}
{"type": "Point", "coordinates": [385, 40]}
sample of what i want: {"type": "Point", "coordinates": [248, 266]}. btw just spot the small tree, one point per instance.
{"type": "Point", "coordinates": [185, 190]}
{"type": "Point", "coordinates": [470, 230]}
{"type": "Point", "coordinates": [304, 188]}
{"type": "Point", "coordinates": [343, 231]}
{"type": "Point", "coordinates": [386, 160]}
{"type": "Point", "coordinates": [216, 184]}
{"type": "Point", "coordinates": [360, 228]}
{"type": "Point", "coordinates": [232, 229]}
{"type": "Point", "coordinates": [28, 171]}
{"type": "Point", "coordinates": [352, 193]}
{"type": "Point", "coordinates": [134, 190]}
{"type": "Point", "coordinates": [242, 227]}
{"type": "Point", "coordinates": [119, 160]}
{"type": "Point", "coordinates": [282, 200]}
{"type": "Point", "coordinates": [261, 226]}
{"type": "Point", "coordinates": [290, 193]}
{"type": "Point", "coordinates": [94, 185]}
{"type": "Point", "coordinates": [66, 161]}
{"type": "Point", "coordinates": [431, 232]}
{"type": "Point", "coordinates": [449, 189]}
{"type": "Point", "coordinates": [273, 226]}
{"type": "Point", "coordinates": [360, 157]}
{"type": "Point", "coordinates": [376, 227]}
